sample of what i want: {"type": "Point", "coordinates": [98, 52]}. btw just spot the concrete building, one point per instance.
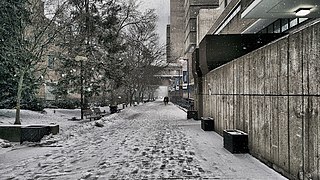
{"type": "Point", "coordinates": [48, 53]}
{"type": "Point", "coordinates": [177, 22]}
{"type": "Point", "coordinates": [183, 37]}
{"type": "Point", "coordinates": [256, 70]}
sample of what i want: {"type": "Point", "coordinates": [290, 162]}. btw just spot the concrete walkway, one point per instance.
{"type": "Point", "coordinates": [149, 141]}
{"type": "Point", "coordinates": [213, 157]}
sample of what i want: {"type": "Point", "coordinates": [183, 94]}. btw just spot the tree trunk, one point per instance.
{"type": "Point", "coordinates": [131, 99]}
{"type": "Point", "coordinates": [112, 98]}
{"type": "Point", "coordinates": [19, 93]}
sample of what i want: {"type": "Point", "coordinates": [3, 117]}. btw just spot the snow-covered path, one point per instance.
{"type": "Point", "coordinates": [149, 141]}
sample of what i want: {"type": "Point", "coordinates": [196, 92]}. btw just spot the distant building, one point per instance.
{"type": "Point", "coordinates": [177, 27]}
{"type": "Point", "coordinates": [49, 58]}
{"type": "Point", "coordinates": [183, 35]}
{"type": "Point", "coordinates": [168, 39]}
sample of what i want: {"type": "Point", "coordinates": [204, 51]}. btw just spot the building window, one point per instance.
{"type": "Point", "coordinates": [270, 28]}
{"type": "Point", "coordinates": [263, 31]}
{"type": "Point", "coordinates": [284, 24]}
{"type": "Point", "coordinates": [185, 76]}
{"type": "Point", "coordinates": [293, 22]}
{"type": "Point", "coordinates": [50, 61]}
{"type": "Point", "coordinates": [300, 20]}
{"type": "Point", "coordinates": [277, 26]}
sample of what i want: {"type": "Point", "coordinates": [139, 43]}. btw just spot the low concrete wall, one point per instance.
{"type": "Point", "coordinates": [273, 94]}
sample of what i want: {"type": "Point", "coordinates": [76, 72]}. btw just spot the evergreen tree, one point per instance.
{"type": "Point", "coordinates": [26, 35]}
{"type": "Point", "coordinates": [15, 17]}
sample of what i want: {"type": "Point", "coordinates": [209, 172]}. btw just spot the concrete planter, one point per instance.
{"type": "Point", "coordinates": [235, 141]}
{"type": "Point", "coordinates": [32, 133]}
{"type": "Point", "coordinates": [11, 133]}
{"type": "Point", "coordinates": [54, 129]}
{"type": "Point", "coordinates": [207, 124]}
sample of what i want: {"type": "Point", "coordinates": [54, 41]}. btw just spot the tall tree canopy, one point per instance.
{"type": "Point", "coordinates": [118, 42]}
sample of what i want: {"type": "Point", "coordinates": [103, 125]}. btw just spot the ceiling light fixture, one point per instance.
{"type": "Point", "coordinates": [303, 11]}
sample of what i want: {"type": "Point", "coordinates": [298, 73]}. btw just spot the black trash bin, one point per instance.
{"type": "Point", "coordinates": [191, 114]}
{"type": "Point", "coordinates": [235, 141]}
{"type": "Point", "coordinates": [207, 124]}
{"type": "Point", "coordinates": [113, 109]}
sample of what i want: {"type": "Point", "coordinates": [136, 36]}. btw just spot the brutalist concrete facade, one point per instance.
{"type": "Point", "coordinates": [184, 31]}
{"type": "Point", "coordinates": [205, 20]}
{"type": "Point", "coordinates": [272, 92]}
{"type": "Point", "coordinates": [176, 29]}
{"type": "Point", "coordinates": [168, 39]}
{"type": "Point", "coordinates": [192, 8]}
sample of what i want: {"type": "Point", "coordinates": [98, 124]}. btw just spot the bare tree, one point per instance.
{"type": "Point", "coordinates": [145, 56]}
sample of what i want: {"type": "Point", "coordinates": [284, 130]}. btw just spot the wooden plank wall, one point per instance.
{"type": "Point", "coordinates": [273, 94]}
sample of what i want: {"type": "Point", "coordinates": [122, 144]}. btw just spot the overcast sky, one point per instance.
{"type": "Point", "coordinates": [163, 11]}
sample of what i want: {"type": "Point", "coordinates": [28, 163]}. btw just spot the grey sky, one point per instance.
{"type": "Point", "coordinates": [163, 11]}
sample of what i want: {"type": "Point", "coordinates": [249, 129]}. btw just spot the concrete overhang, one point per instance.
{"type": "Point", "coordinates": [280, 9]}
{"type": "Point", "coordinates": [216, 50]}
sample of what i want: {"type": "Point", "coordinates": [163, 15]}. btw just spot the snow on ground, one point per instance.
{"type": "Point", "coordinates": [149, 141]}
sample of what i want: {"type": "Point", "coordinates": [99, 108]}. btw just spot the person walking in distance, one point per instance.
{"type": "Point", "coordinates": [166, 100]}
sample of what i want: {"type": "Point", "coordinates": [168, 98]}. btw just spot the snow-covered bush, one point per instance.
{"type": "Point", "coordinates": [4, 143]}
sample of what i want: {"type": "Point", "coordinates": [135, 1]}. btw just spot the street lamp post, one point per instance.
{"type": "Point", "coordinates": [81, 59]}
